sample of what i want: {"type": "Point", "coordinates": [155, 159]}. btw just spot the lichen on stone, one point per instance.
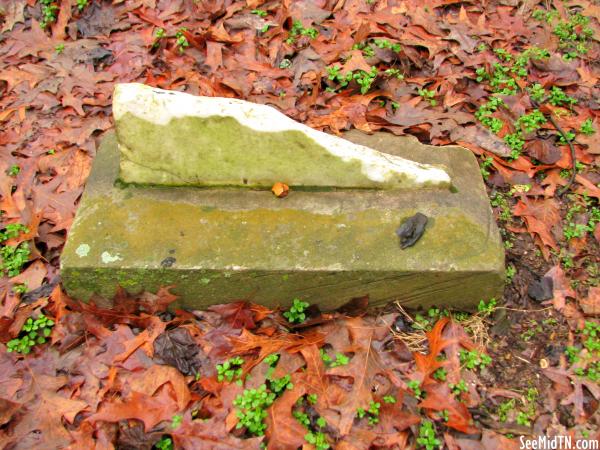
{"type": "Point", "coordinates": [107, 258]}
{"type": "Point", "coordinates": [83, 250]}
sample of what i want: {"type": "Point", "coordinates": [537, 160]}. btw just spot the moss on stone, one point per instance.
{"type": "Point", "coordinates": [219, 151]}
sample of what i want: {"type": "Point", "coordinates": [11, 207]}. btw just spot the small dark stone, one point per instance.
{"type": "Point", "coordinates": [400, 324]}
{"type": "Point", "coordinates": [411, 230]}
{"type": "Point", "coordinates": [541, 290]}
{"type": "Point", "coordinates": [168, 261]}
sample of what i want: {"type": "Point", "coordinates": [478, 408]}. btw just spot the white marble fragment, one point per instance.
{"type": "Point", "coordinates": [159, 107]}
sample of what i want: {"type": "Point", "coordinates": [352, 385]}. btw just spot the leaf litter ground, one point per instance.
{"type": "Point", "coordinates": [515, 82]}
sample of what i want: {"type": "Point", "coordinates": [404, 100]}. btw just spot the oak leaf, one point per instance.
{"type": "Point", "coordinates": [151, 410]}
{"type": "Point", "coordinates": [44, 411]}
{"type": "Point", "coordinates": [541, 218]}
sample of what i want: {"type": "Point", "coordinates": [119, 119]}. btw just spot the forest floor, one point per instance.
{"type": "Point", "coordinates": [514, 81]}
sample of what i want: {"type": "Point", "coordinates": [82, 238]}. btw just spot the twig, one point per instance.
{"type": "Point", "coordinates": [566, 187]}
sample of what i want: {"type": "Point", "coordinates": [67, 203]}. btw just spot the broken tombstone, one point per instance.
{"type": "Point", "coordinates": [180, 195]}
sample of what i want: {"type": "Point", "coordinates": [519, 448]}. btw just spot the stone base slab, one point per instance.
{"type": "Point", "coordinates": [220, 245]}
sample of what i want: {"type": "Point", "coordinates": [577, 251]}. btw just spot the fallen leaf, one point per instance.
{"type": "Point", "coordinates": [591, 304]}
{"type": "Point", "coordinates": [542, 217]}
{"type": "Point", "coordinates": [284, 431]}
{"type": "Point", "coordinates": [280, 189]}
{"type": "Point", "coordinates": [439, 398]}
{"type": "Point", "coordinates": [145, 339]}
{"type": "Point", "coordinates": [543, 150]}
{"type": "Point", "coordinates": [44, 412]}
{"type": "Point", "coordinates": [177, 348]}
{"type": "Point", "coordinates": [148, 382]}
{"type": "Point", "coordinates": [482, 137]}
{"type": "Point", "coordinates": [12, 13]}
{"type": "Point", "coordinates": [561, 287]}
{"type": "Point", "coordinates": [151, 410]}
{"type": "Point", "coordinates": [236, 314]}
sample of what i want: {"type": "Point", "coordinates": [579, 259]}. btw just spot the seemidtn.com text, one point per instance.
{"type": "Point", "coordinates": [558, 443]}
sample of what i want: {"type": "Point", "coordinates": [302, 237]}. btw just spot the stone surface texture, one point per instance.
{"type": "Point", "coordinates": [223, 244]}
{"type": "Point", "coordinates": [177, 139]}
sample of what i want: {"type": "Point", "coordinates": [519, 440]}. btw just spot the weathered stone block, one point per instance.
{"type": "Point", "coordinates": [221, 244]}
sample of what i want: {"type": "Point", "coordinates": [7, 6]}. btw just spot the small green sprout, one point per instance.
{"type": "Point", "coordinates": [279, 385]}
{"type": "Point", "coordinates": [176, 421]}
{"type": "Point", "coordinates": [389, 399]}
{"type": "Point", "coordinates": [415, 386]}
{"type": "Point", "coordinates": [473, 359]}
{"type": "Point", "coordinates": [12, 230]}
{"type": "Point", "coordinates": [159, 34]}
{"type": "Point", "coordinates": [503, 54]}
{"type": "Point", "coordinates": [394, 73]}
{"type": "Point", "coordinates": [532, 121]}
{"type": "Point", "coordinates": [537, 92]}
{"type": "Point", "coordinates": [302, 417]}
{"type": "Point", "coordinates": [339, 360]}
{"type": "Point", "coordinates": [482, 74]}
{"type": "Point", "coordinates": [486, 309]}
{"type": "Point", "coordinates": [296, 313]}
{"type": "Point", "coordinates": [14, 170]}
{"type": "Point", "coordinates": [559, 98]}
{"type": "Point", "coordinates": [165, 443]}
{"type": "Point", "coordinates": [485, 111]}
{"type": "Point", "coordinates": [272, 359]}
{"type": "Point", "coordinates": [587, 127]}
{"type": "Point", "coordinates": [485, 165]}
{"type": "Point", "coordinates": [499, 201]}
{"type": "Point", "coordinates": [230, 369]}
{"type": "Point", "coordinates": [523, 419]}
{"type": "Point", "coordinates": [440, 374]}
{"type": "Point", "coordinates": [505, 408]}
{"type": "Point", "coordinates": [81, 4]}
{"type": "Point", "coordinates": [19, 288]}
{"type": "Point", "coordinates": [459, 387]}
{"type": "Point", "coordinates": [515, 142]}
{"type": "Point", "coordinates": [252, 407]}
{"type": "Point", "coordinates": [13, 257]}
{"type": "Point", "coordinates": [181, 41]}
{"type": "Point", "coordinates": [372, 413]}
{"type": "Point", "coordinates": [259, 12]}
{"type": "Point", "coordinates": [318, 439]}
{"type": "Point", "coordinates": [49, 9]}
{"type": "Point", "coordinates": [384, 43]}
{"type": "Point", "coordinates": [567, 137]}
{"type": "Point", "coordinates": [427, 437]}
{"type": "Point", "coordinates": [59, 48]}
{"type": "Point", "coordinates": [365, 79]}
{"type": "Point", "coordinates": [299, 30]}
{"type": "Point", "coordinates": [428, 95]}
{"type": "Point", "coordinates": [33, 332]}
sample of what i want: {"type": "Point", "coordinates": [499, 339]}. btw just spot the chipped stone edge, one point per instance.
{"type": "Point", "coordinates": [160, 106]}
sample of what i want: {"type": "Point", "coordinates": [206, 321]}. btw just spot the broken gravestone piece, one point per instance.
{"type": "Point", "coordinates": [173, 138]}
{"type": "Point", "coordinates": [333, 238]}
